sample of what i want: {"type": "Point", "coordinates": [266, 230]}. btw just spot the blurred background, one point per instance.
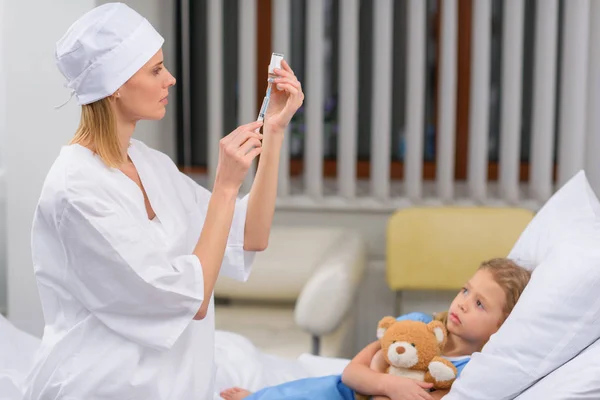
{"type": "Point", "coordinates": [409, 103]}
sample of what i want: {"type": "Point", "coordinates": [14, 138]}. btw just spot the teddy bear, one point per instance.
{"type": "Point", "coordinates": [413, 349]}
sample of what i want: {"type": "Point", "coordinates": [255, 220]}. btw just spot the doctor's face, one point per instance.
{"type": "Point", "coordinates": [145, 94]}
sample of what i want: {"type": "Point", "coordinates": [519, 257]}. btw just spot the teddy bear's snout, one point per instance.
{"type": "Point", "coordinates": [402, 354]}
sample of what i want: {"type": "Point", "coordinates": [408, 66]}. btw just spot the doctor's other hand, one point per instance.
{"type": "Point", "coordinates": [286, 98]}
{"type": "Point", "coordinates": [236, 152]}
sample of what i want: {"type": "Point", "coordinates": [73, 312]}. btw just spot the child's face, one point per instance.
{"type": "Point", "coordinates": [478, 310]}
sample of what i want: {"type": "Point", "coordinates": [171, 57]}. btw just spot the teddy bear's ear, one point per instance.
{"type": "Point", "coordinates": [437, 328]}
{"type": "Point", "coordinates": [382, 326]}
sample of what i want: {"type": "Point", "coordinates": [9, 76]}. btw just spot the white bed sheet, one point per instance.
{"type": "Point", "coordinates": [238, 361]}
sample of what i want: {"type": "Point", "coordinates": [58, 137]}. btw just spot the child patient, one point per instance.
{"type": "Point", "coordinates": [476, 313]}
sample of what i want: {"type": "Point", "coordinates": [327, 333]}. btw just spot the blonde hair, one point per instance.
{"type": "Point", "coordinates": [98, 130]}
{"type": "Point", "coordinates": [511, 277]}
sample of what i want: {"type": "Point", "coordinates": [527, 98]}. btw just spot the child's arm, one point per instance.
{"type": "Point", "coordinates": [378, 363]}
{"type": "Point", "coordinates": [358, 376]}
{"type": "Point", "coordinates": [362, 379]}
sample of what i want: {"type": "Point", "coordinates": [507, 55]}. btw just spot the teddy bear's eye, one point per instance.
{"type": "Point", "coordinates": [413, 345]}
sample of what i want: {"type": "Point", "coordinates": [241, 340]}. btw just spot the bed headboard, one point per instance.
{"type": "Point", "coordinates": [439, 248]}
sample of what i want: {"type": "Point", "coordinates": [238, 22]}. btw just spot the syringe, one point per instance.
{"type": "Point", "coordinates": [276, 59]}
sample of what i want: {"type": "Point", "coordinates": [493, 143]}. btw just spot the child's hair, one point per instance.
{"type": "Point", "coordinates": [511, 277]}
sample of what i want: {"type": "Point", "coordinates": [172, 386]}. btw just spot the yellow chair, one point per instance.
{"type": "Point", "coordinates": [439, 248]}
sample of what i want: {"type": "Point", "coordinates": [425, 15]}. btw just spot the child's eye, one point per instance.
{"type": "Point", "coordinates": [480, 304]}
{"type": "Point", "coordinates": [464, 290]}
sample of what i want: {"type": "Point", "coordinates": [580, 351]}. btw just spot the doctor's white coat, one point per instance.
{"type": "Point", "coordinates": [119, 291]}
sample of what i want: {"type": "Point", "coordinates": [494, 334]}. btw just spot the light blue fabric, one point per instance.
{"type": "Point", "coordinates": [331, 387]}
{"type": "Point", "coordinates": [323, 388]}
{"type": "Point", "coordinates": [416, 316]}
{"type": "Point", "coordinates": [460, 364]}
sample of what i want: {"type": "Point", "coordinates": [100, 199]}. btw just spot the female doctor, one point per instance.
{"type": "Point", "coordinates": [127, 249]}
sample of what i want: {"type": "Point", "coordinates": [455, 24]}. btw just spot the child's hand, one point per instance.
{"type": "Point", "coordinates": [398, 388]}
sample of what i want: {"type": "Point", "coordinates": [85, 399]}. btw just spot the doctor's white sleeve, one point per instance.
{"type": "Point", "coordinates": [120, 274]}
{"type": "Point", "coordinates": [237, 262]}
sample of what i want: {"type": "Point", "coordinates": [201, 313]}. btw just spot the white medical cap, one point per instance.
{"type": "Point", "coordinates": [103, 49]}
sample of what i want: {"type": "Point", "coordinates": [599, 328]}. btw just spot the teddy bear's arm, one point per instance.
{"type": "Point", "coordinates": [441, 373]}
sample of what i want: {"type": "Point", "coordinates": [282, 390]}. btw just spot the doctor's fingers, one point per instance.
{"type": "Point", "coordinates": [252, 154]}
{"type": "Point", "coordinates": [294, 90]}
{"type": "Point", "coordinates": [295, 99]}
{"type": "Point", "coordinates": [291, 81]}
{"type": "Point", "coordinates": [249, 145]}
{"type": "Point", "coordinates": [241, 138]}
{"type": "Point", "coordinates": [236, 138]}
{"type": "Point", "coordinates": [291, 89]}
{"type": "Point", "coordinates": [286, 70]}
{"type": "Point", "coordinates": [252, 126]}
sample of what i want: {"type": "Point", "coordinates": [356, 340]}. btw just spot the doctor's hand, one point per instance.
{"type": "Point", "coordinates": [236, 152]}
{"type": "Point", "coordinates": [286, 98]}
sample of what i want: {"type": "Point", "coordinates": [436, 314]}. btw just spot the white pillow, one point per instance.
{"type": "Point", "coordinates": [558, 313]}
{"type": "Point", "coordinates": [577, 379]}
{"type": "Point", "coordinates": [574, 204]}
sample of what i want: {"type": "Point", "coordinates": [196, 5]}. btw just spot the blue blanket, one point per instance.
{"type": "Point", "coordinates": [323, 388]}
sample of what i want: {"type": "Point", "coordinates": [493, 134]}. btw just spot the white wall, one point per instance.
{"type": "Point", "coordinates": [35, 132]}
{"type": "Point", "coordinates": [2, 88]}
{"type": "Point", "coordinates": [592, 164]}
{"type": "Point", "coordinates": [3, 283]}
